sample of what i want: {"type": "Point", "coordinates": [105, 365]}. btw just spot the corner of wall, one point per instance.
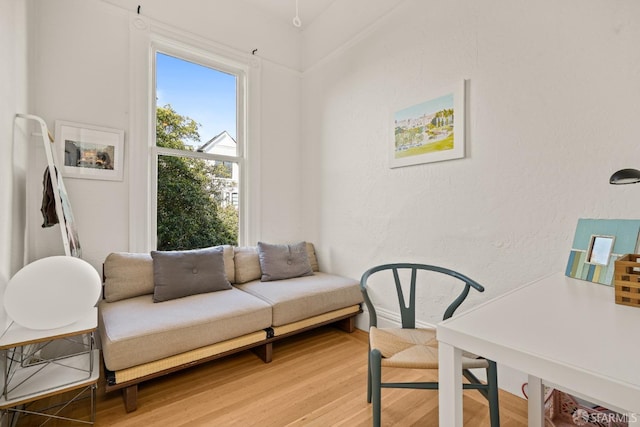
{"type": "Point", "coordinates": [13, 41]}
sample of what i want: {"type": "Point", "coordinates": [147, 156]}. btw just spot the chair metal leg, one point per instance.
{"type": "Point", "coordinates": [375, 360]}
{"type": "Point", "coordinates": [369, 378]}
{"type": "Point", "coordinates": [492, 382]}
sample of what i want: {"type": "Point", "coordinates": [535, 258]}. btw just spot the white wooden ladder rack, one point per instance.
{"type": "Point", "coordinates": [56, 178]}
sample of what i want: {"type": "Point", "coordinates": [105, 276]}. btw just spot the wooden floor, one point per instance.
{"type": "Point", "coordinates": [316, 379]}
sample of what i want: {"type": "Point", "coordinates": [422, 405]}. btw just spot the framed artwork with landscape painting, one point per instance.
{"type": "Point", "coordinates": [431, 130]}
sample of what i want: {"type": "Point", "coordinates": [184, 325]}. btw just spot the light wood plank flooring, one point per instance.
{"type": "Point", "coordinates": [316, 379]}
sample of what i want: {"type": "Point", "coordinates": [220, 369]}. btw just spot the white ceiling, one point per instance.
{"type": "Point", "coordinates": [285, 10]}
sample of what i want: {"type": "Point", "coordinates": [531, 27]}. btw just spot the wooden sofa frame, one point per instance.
{"type": "Point", "coordinates": [263, 349]}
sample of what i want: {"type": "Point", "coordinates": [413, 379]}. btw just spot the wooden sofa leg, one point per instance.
{"type": "Point", "coordinates": [264, 352]}
{"type": "Point", "coordinates": [130, 396]}
{"type": "Point", "coordinates": [347, 325]}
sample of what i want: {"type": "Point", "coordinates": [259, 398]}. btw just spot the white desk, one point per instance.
{"type": "Point", "coordinates": [564, 332]}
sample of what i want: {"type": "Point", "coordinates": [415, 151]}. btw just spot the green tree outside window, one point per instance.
{"type": "Point", "coordinates": [190, 212]}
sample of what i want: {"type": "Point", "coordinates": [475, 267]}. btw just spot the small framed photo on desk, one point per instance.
{"type": "Point", "coordinates": [597, 244]}
{"type": "Point", "coordinates": [600, 248]}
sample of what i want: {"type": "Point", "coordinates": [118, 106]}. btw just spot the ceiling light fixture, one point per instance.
{"type": "Point", "coordinates": [296, 19]}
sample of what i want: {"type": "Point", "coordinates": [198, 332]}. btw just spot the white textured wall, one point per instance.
{"type": "Point", "coordinates": [554, 91]}
{"type": "Point", "coordinates": [13, 161]}
{"type": "Point", "coordinates": [232, 23]}
{"type": "Point", "coordinates": [340, 22]}
{"type": "Point", "coordinates": [282, 179]}
{"type": "Point", "coordinates": [82, 74]}
{"type": "Point", "coordinates": [553, 99]}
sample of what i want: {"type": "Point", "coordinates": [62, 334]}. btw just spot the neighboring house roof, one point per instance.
{"type": "Point", "coordinates": [222, 143]}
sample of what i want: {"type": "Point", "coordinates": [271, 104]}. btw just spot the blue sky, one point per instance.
{"type": "Point", "coordinates": [206, 95]}
{"type": "Point", "coordinates": [431, 106]}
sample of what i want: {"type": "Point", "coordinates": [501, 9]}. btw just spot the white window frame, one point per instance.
{"type": "Point", "coordinates": [218, 63]}
{"type": "Point", "coordinates": [146, 37]}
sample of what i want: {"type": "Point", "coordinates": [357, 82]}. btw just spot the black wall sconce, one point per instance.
{"type": "Point", "coordinates": [625, 176]}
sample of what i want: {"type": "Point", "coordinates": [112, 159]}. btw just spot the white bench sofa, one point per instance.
{"type": "Point", "coordinates": [142, 339]}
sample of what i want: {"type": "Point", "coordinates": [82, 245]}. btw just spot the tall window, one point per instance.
{"type": "Point", "coordinates": [199, 156]}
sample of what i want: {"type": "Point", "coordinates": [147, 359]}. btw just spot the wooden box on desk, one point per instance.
{"type": "Point", "coordinates": [627, 280]}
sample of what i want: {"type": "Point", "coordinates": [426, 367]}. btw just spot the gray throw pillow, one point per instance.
{"type": "Point", "coordinates": [178, 274]}
{"type": "Point", "coordinates": [279, 262]}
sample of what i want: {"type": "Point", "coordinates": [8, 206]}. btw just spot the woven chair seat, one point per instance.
{"type": "Point", "coordinates": [414, 349]}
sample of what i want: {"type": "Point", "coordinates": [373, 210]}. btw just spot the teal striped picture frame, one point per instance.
{"type": "Point", "coordinates": [626, 233]}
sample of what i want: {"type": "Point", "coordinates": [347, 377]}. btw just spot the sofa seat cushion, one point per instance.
{"type": "Point", "coordinates": [302, 297]}
{"type": "Point", "coordinates": [136, 331]}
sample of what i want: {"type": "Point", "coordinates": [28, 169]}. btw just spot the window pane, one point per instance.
{"type": "Point", "coordinates": [195, 206]}
{"type": "Point", "coordinates": [197, 194]}
{"type": "Point", "coordinates": [205, 97]}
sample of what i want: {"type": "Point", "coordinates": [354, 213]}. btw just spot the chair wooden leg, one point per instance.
{"type": "Point", "coordinates": [375, 360]}
{"type": "Point", "coordinates": [492, 382]}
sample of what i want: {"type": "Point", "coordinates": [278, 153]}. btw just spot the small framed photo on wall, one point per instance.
{"type": "Point", "coordinates": [88, 151]}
